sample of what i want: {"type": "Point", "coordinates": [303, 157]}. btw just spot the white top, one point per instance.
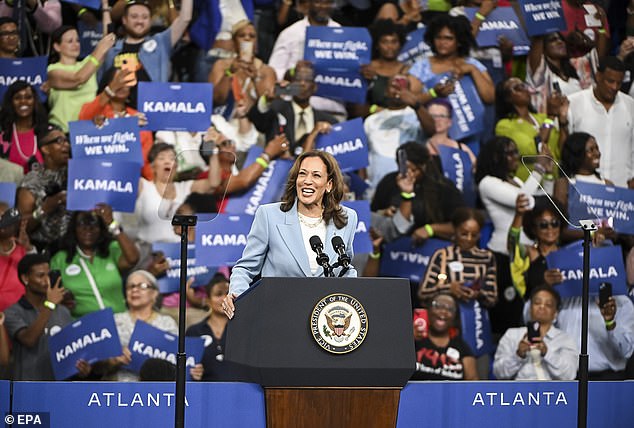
{"type": "Point", "coordinates": [613, 130]}
{"type": "Point", "coordinates": [155, 214]}
{"type": "Point", "coordinates": [560, 362]}
{"type": "Point", "coordinates": [232, 12]}
{"type": "Point", "coordinates": [319, 229]}
{"type": "Point", "coordinates": [288, 49]}
{"type": "Point", "coordinates": [499, 198]}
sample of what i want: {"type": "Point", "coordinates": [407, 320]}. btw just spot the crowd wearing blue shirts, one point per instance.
{"type": "Point", "coordinates": [484, 149]}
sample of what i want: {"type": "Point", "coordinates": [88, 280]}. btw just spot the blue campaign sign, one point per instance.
{"type": "Point", "coordinates": [337, 53]}
{"type": "Point", "coordinates": [150, 342]}
{"type": "Point", "coordinates": [221, 241]}
{"type": "Point", "coordinates": [91, 338]}
{"type": "Point", "coordinates": [606, 265]}
{"type": "Point", "coordinates": [402, 259]}
{"type": "Point", "coordinates": [5, 396]}
{"type": "Point", "coordinates": [93, 181]}
{"type": "Point", "coordinates": [176, 106]}
{"type": "Point", "coordinates": [268, 188]}
{"type": "Point", "coordinates": [151, 404]}
{"type": "Point", "coordinates": [7, 192]}
{"type": "Point", "coordinates": [89, 36]}
{"type": "Point", "coordinates": [93, 4]}
{"type": "Point", "coordinates": [502, 21]}
{"type": "Point", "coordinates": [457, 167]}
{"type": "Point", "coordinates": [607, 204]}
{"type": "Point", "coordinates": [348, 143]}
{"type": "Point", "coordinates": [170, 283]}
{"type": "Point", "coordinates": [357, 184]}
{"type": "Point", "coordinates": [117, 139]}
{"type": "Point", "coordinates": [32, 70]}
{"type": "Point", "coordinates": [414, 47]}
{"type": "Point", "coordinates": [542, 16]}
{"type": "Point", "coordinates": [362, 243]}
{"type": "Point", "coordinates": [476, 327]}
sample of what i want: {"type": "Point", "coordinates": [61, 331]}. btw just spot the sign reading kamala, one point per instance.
{"type": "Point", "coordinates": [93, 181]}
{"type": "Point", "coordinates": [402, 259]}
{"type": "Point", "coordinates": [588, 201]}
{"type": "Point", "coordinates": [457, 166]}
{"type": "Point", "coordinates": [542, 16]}
{"type": "Point", "coordinates": [176, 106]}
{"type": "Point", "coordinates": [150, 342]}
{"type": "Point", "coordinates": [117, 139]}
{"type": "Point", "coordinates": [502, 21]}
{"type": "Point", "coordinates": [268, 188]}
{"type": "Point", "coordinates": [414, 47]}
{"type": "Point", "coordinates": [170, 283]}
{"type": "Point", "coordinates": [91, 338]}
{"type": "Point", "coordinates": [7, 192]}
{"type": "Point", "coordinates": [337, 53]}
{"type": "Point", "coordinates": [348, 143]}
{"type": "Point", "coordinates": [31, 70]}
{"type": "Point", "coordinates": [362, 242]}
{"type": "Point", "coordinates": [606, 265]}
{"type": "Point", "coordinates": [221, 241]}
{"type": "Point", "coordinates": [476, 327]}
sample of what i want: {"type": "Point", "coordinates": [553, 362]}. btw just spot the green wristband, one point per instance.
{"type": "Point", "coordinates": [433, 93]}
{"type": "Point", "coordinates": [480, 16]}
{"type": "Point", "coordinates": [264, 164]}
{"type": "Point", "coordinates": [429, 230]}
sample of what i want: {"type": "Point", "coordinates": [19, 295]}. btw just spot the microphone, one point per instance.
{"type": "Point", "coordinates": [322, 258]}
{"type": "Point", "coordinates": [340, 249]}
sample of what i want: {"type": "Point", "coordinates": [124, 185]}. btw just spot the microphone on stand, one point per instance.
{"type": "Point", "coordinates": [322, 258]}
{"type": "Point", "coordinates": [343, 259]}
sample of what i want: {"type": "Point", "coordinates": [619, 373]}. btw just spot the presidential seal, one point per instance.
{"type": "Point", "coordinates": [339, 323]}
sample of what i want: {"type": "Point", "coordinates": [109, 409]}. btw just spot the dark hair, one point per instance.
{"type": "Point", "coordinates": [567, 70]}
{"type": "Point", "coordinates": [69, 242]}
{"type": "Point", "coordinates": [440, 102]}
{"type": "Point", "coordinates": [549, 289]}
{"type": "Point", "coordinates": [157, 149]}
{"type": "Point", "coordinates": [611, 62]}
{"type": "Point", "coordinates": [385, 27]}
{"type": "Point", "coordinates": [573, 152]}
{"type": "Point", "coordinates": [455, 322]}
{"type": "Point", "coordinates": [542, 205]}
{"type": "Point", "coordinates": [216, 279]}
{"type": "Point", "coordinates": [56, 37]}
{"type": "Point", "coordinates": [458, 25]}
{"type": "Point", "coordinates": [130, 3]}
{"type": "Point", "coordinates": [201, 202]}
{"type": "Point", "coordinates": [333, 211]}
{"type": "Point", "coordinates": [417, 153]}
{"type": "Point", "coordinates": [492, 159]}
{"type": "Point", "coordinates": [28, 261]}
{"type": "Point", "coordinates": [157, 370]}
{"type": "Point", "coordinates": [8, 116]}
{"type": "Point", "coordinates": [504, 108]}
{"type": "Point", "coordinates": [50, 127]}
{"type": "Point", "coordinates": [7, 20]}
{"type": "Point", "coordinates": [463, 214]}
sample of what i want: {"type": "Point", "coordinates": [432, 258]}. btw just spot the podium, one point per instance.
{"type": "Point", "coordinates": [328, 351]}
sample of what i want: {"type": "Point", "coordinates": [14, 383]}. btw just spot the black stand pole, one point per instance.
{"type": "Point", "coordinates": [582, 396]}
{"type": "Point", "coordinates": [184, 221]}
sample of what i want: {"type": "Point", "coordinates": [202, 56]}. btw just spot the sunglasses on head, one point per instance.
{"type": "Point", "coordinates": [545, 224]}
{"type": "Point", "coordinates": [88, 221]}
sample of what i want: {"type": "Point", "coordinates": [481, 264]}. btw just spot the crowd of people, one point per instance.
{"type": "Point", "coordinates": [561, 114]}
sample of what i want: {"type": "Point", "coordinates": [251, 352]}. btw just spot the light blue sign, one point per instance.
{"type": "Point", "coordinates": [7, 192]}
{"type": "Point", "coordinates": [176, 106]}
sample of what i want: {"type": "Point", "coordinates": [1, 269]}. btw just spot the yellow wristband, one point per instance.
{"type": "Point", "coordinates": [549, 121]}
{"type": "Point", "coordinates": [429, 230]}
{"type": "Point", "coordinates": [52, 305]}
{"type": "Point", "coordinates": [480, 16]}
{"type": "Point", "coordinates": [264, 164]}
{"type": "Point", "coordinates": [375, 256]}
{"type": "Point", "coordinates": [94, 60]}
{"type": "Point", "coordinates": [228, 72]}
{"type": "Point", "coordinates": [433, 93]}
{"type": "Point", "coordinates": [610, 323]}
{"type": "Point", "coordinates": [407, 196]}
{"type": "Point", "coordinates": [601, 31]}
{"type": "Point", "coordinates": [81, 12]}
{"type": "Point", "coordinates": [373, 108]}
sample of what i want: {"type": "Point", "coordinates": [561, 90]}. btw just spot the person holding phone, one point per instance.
{"type": "Point", "coordinates": [13, 246]}
{"type": "Point", "coordinates": [542, 353]}
{"type": "Point", "coordinates": [245, 76]}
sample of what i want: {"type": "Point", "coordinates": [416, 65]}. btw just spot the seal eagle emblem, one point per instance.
{"type": "Point", "coordinates": [339, 323]}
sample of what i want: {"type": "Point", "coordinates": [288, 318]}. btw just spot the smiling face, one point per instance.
{"type": "Point", "coordinates": [136, 21]}
{"type": "Point", "coordinates": [547, 228]}
{"type": "Point", "coordinates": [24, 103]}
{"type": "Point", "coordinates": [87, 230]}
{"type": "Point", "coordinates": [139, 292]}
{"type": "Point", "coordinates": [517, 92]}
{"type": "Point", "coordinates": [68, 46]}
{"type": "Point", "coordinates": [442, 314]}
{"type": "Point", "coordinates": [593, 156]}
{"type": "Point", "coordinates": [467, 234]}
{"type": "Point", "coordinates": [218, 292]}
{"type": "Point", "coordinates": [555, 46]}
{"type": "Point", "coordinates": [543, 307]}
{"type": "Point", "coordinates": [312, 183]}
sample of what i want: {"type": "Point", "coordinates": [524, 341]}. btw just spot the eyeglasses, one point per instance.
{"type": "Point", "coordinates": [56, 140]}
{"type": "Point", "coordinates": [140, 286]}
{"type": "Point", "coordinates": [9, 33]}
{"type": "Point", "coordinates": [544, 224]}
{"type": "Point", "coordinates": [438, 306]}
{"type": "Point", "coordinates": [88, 221]}
{"type": "Point", "coordinates": [440, 116]}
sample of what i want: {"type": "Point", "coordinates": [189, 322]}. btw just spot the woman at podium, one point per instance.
{"type": "Point", "coordinates": [292, 238]}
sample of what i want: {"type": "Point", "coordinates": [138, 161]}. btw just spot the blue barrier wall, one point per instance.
{"type": "Point", "coordinates": [423, 404]}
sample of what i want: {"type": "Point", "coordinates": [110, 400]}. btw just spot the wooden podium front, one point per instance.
{"type": "Point", "coordinates": [276, 341]}
{"type": "Point", "coordinates": [331, 407]}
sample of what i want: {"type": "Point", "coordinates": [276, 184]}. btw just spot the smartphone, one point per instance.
{"type": "Point", "coordinates": [605, 292]}
{"type": "Point", "coordinates": [401, 157]}
{"type": "Point", "coordinates": [400, 81]}
{"type": "Point", "coordinates": [421, 321]}
{"type": "Point", "coordinates": [556, 87]}
{"type": "Point", "coordinates": [246, 51]}
{"type": "Point", "coordinates": [533, 331]}
{"type": "Point", "coordinates": [54, 275]}
{"type": "Point", "coordinates": [476, 284]}
{"type": "Point", "coordinates": [130, 64]}
{"type": "Point", "coordinates": [290, 90]}
{"type": "Point", "coordinates": [538, 143]}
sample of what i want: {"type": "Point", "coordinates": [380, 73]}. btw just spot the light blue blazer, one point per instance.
{"type": "Point", "coordinates": [275, 247]}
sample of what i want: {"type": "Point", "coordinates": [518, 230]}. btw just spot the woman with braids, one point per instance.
{"type": "Point", "coordinates": [279, 241]}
